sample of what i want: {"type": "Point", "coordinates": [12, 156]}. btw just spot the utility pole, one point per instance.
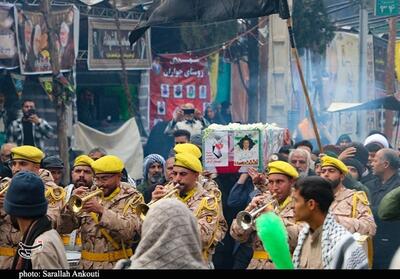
{"type": "Point", "coordinates": [263, 72]}
{"type": "Point", "coordinates": [389, 79]}
{"type": "Point", "coordinates": [253, 62]}
{"type": "Point", "coordinates": [58, 90]}
{"type": "Point", "coordinates": [124, 73]}
{"type": "Point", "coordinates": [362, 82]}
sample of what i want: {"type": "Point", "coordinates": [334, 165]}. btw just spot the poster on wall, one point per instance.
{"type": "Point", "coordinates": [8, 42]}
{"type": "Point", "coordinates": [177, 79]}
{"type": "Point", "coordinates": [104, 46]}
{"type": "Point", "coordinates": [33, 38]}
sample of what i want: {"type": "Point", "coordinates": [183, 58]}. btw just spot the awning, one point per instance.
{"type": "Point", "coordinates": [389, 103]}
{"type": "Point", "coordinates": [334, 107]}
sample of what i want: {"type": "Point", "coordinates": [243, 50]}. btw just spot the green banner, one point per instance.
{"type": "Point", "coordinates": [224, 82]}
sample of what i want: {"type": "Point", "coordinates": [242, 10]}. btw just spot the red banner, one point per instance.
{"type": "Point", "coordinates": [177, 79]}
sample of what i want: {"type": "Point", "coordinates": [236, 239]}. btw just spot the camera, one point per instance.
{"type": "Point", "coordinates": [29, 113]}
{"type": "Point", "coordinates": [188, 111]}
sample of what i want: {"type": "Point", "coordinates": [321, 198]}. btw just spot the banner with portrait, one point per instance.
{"type": "Point", "coordinates": [216, 148]}
{"type": "Point", "coordinates": [33, 38]}
{"type": "Point", "coordinates": [177, 79]}
{"type": "Point", "coordinates": [8, 42]}
{"type": "Point", "coordinates": [104, 46]}
{"type": "Point", "coordinates": [235, 147]}
{"type": "Point", "coordinates": [246, 148]}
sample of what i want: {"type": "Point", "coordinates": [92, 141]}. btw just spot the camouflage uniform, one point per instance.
{"type": "Point", "coordinates": [119, 221]}
{"type": "Point", "coordinates": [351, 210]}
{"type": "Point", "coordinates": [212, 188]}
{"type": "Point", "coordinates": [205, 208]}
{"type": "Point", "coordinates": [343, 209]}
{"type": "Point", "coordinates": [9, 236]}
{"type": "Point", "coordinates": [72, 242]}
{"type": "Point", "coordinates": [55, 196]}
{"type": "Point", "coordinates": [260, 260]}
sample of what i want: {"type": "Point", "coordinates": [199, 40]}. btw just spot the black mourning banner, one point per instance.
{"type": "Point", "coordinates": [179, 11]}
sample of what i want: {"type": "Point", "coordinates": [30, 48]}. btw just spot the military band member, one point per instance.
{"type": "Point", "coordinates": [212, 188]}
{"type": "Point", "coordinates": [109, 224]}
{"type": "Point", "coordinates": [81, 176]}
{"type": "Point", "coordinates": [350, 208]}
{"type": "Point", "coordinates": [204, 206]}
{"type": "Point", "coordinates": [281, 178]}
{"type": "Point", "coordinates": [26, 158]}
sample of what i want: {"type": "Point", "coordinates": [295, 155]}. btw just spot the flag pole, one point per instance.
{"type": "Point", "coordinates": [298, 64]}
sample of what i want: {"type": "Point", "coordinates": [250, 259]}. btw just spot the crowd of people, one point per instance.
{"type": "Point", "coordinates": [339, 207]}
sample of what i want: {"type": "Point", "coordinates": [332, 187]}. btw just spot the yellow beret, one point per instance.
{"type": "Point", "coordinates": [108, 164]}
{"type": "Point", "coordinates": [188, 148]}
{"type": "Point", "coordinates": [328, 161]}
{"type": "Point", "coordinates": [282, 167]}
{"type": "Point", "coordinates": [188, 161]}
{"type": "Point", "coordinates": [28, 153]}
{"type": "Point", "coordinates": [83, 160]}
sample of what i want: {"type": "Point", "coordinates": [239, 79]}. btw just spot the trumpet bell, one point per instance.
{"type": "Point", "coordinates": [141, 210]}
{"type": "Point", "coordinates": [76, 202]}
{"type": "Point", "coordinates": [244, 220]}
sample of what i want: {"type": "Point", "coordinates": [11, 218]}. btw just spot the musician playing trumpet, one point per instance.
{"type": "Point", "coordinates": [204, 206]}
{"type": "Point", "coordinates": [278, 197]}
{"type": "Point", "coordinates": [108, 224]}
{"type": "Point", "coordinates": [81, 176]}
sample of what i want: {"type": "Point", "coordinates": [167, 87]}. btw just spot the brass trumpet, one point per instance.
{"type": "Point", "coordinates": [246, 219]}
{"type": "Point", "coordinates": [143, 208]}
{"type": "Point", "coordinates": [76, 202]}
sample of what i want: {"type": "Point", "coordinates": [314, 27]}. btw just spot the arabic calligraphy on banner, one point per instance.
{"type": "Point", "coordinates": [176, 79]}
{"type": "Point", "coordinates": [104, 46]}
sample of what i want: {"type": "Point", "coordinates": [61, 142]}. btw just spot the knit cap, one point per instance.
{"type": "Point", "coordinates": [25, 196]}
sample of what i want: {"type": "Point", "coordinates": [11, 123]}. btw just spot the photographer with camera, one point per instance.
{"type": "Point", "coordinates": [186, 118]}
{"type": "Point", "coordinates": [29, 129]}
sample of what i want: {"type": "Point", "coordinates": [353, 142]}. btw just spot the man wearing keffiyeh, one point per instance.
{"type": "Point", "coordinates": [322, 243]}
{"type": "Point", "coordinates": [153, 172]}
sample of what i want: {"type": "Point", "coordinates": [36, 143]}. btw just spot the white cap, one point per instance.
{"type": "Point", "coordinates": [377, 138]}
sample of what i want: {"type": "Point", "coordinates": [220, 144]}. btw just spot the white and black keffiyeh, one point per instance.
{"type": "Point", "coordinates": [149, 160]}
{"type": "Point", "coordinates": [339, 248]}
